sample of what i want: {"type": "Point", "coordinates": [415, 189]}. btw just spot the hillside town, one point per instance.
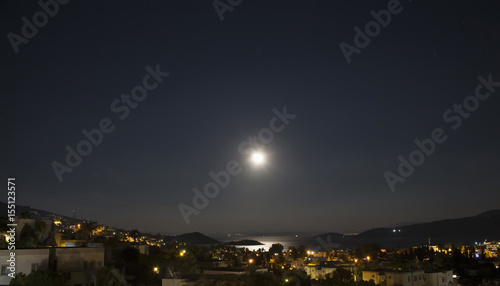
{"type": "Point", "coordinates": [55, 250]}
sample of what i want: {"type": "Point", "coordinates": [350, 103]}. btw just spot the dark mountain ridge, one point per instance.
{"type": "Point", "coordinates": [195, 238]}
{"type": "Point", "coordinates": [479, 225]}
{"type": "Point", "coordinates": [466, 230]}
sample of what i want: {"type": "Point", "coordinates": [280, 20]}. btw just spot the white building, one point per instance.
{"type": "Point", "coordinates": [396, 278]}
{"type": "Point", "coordinates": [410, 278]}
{"type": "Point", "coordinates": [443, 278]}
{"type": "Point", "coordinates": [27, 261]}
{"type": "Point", "coordinates": [318, 272]}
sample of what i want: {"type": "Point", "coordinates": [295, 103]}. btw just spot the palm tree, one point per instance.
{"type": "Point", "coordinates": [41, 229]}
{"type": "Point", "coordinates": [87, 229]}
{"type": "Point", "coordinates": [27, 237]}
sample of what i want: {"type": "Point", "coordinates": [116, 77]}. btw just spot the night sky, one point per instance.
{"type": "Point", "coordinates": [324, 170]}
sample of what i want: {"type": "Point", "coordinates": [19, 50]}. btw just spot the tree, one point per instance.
{"type": "Point", "coordinates": [340, 276]}
{"type": "Point", "coordinates": [294, 252]}
{"type": "Point", "coordinates": [253, 279]}
{"type": "Point", "coordinates": [301, 251]}
{"type": "Point", "coordinates": [86, 229]}
{"type": "Point", "coordinates": [27, 237]}
{"type": "Point", "coordinates": [438, 262]}
{"type": "Point", "coordinates": [130, 255]}
{"type": "Point", "coordinates": [201, 253]}
{"type": "Point", "coordinates": [367, 250]}
{"type": "Point", "coordinates": [486, 270]}
{"type": "Point", "coordinates": [18, 280]}
{"type": "Point", "coordinates": [276, 251]}
{"type": "Point", "coordinates": [459, 261]}
{"type": "Point", "coordinates": [41, 229]}
{"type": "Point", "coordinates": [39, 278]}
{"type": "Point", "coordinates": [276, 248]}
{"type": "Point", "coordinates": [295, 277]}
{"type": "Point", "coordinates": [186, 264]}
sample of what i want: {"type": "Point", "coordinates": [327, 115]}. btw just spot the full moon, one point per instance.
{"type": "Point", "coordinates": [258, 158]}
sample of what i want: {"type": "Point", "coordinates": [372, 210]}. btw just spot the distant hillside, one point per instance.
{"type": "Point", "coordinates": [466, 230]}
{"type": "Point", "coordinates": [19, 209]}
{"type": "Point", "coordinates": [482, 225]}
{"type": "Point", "coordinates": [489, 214]}
{"type": "Point", "coordinates": [330, 236]}
{"type": "Point", "coordinates": [332, 240]}
{"type": "Point", "coordinates": [401, 224]}
{"type": "Point", "coordinates": [35, 213]}
{"type": "Point", "coordinates": [195, 238]}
